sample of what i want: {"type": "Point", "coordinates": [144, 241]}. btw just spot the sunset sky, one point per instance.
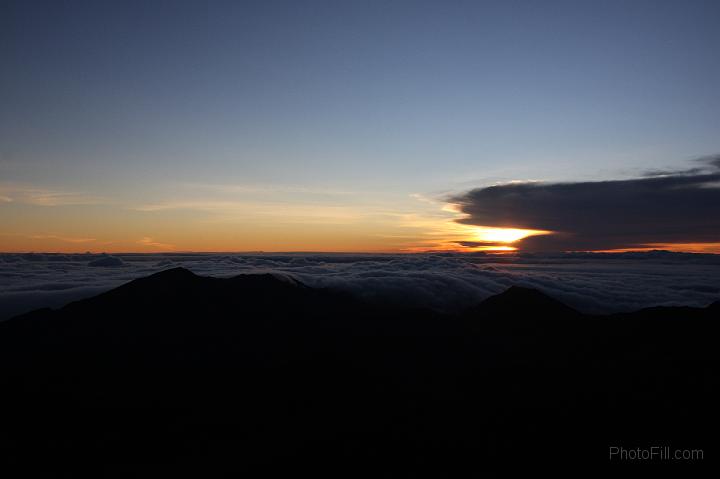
{"type": "Point", "coordinates": [369, 126]}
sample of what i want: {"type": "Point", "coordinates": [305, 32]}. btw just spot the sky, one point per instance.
{"type": "Point", "coordinates": [374, 126]}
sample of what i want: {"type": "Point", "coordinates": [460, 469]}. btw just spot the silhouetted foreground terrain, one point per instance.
{"type": "Point", "coordinates": [181, 374]}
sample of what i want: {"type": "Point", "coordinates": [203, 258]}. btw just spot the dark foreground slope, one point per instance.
{"type": "Point", "coordinates": [180, 374]}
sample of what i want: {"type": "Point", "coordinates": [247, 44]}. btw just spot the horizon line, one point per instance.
{"type": "Point", "coordinates": [405, 253]}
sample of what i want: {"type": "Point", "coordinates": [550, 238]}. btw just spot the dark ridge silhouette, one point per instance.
{"type": "Point", "coordinates": [526, 301]}
{"type": "Point", "coordinates": [262, 376]}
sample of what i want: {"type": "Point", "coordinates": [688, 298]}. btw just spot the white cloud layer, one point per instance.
{"type": "Point", "coordinates": [590, 282]}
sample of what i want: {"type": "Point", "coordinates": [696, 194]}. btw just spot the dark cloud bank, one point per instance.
{"type": "Point", "coordinates": [662, 207]}
{"type": "Point", "coordinates": [591, 282]}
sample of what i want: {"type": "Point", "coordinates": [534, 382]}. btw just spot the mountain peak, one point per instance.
{"type": "Point", "coordinates": [518, 299]}
{"type": "Point", "coordinates": [162, 280]}
{"type": "Point", "coordinates": [178, 272]}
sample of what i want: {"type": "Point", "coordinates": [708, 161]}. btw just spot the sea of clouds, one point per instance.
{"type": "Point", "coordinates": [590, 282]}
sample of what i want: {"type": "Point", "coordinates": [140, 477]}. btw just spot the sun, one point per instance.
{"type": "Point", "coordinates": [449, 231]}
{"type": "Point", "coordinates": [488, 234]}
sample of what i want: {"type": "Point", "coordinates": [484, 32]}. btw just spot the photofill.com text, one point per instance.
{"type": "Point", "coordinates": [654, 453]}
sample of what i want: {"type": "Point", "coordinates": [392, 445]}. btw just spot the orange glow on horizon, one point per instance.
{"type": "Point", "coordinates": [712, 248]}
{"type": "Point", "coordinates": [451, 236]}
{"type": "Point", "coordinates": [218, 227]}
{"type": "Point", "coordinates": [505, 235]}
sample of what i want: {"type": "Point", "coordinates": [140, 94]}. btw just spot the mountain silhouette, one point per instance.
{"type": "Point", "coordinates": [177, 373]}
{"type": "Point", "coordinates": [517, 300]}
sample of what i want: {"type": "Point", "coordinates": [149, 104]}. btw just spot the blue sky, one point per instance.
{"type": "Point", "coordinates": [126, 106]}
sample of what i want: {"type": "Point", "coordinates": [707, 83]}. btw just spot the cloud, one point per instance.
{"type": "Point", "coordinates": [66, 239]}
{"type": "Point", "coordinates": [663, 208]}
{"type": "Point", "coordinates": [476, 244]}
{"type": "Point", "coordinates": [191, 205]}
{"type": "Point", "coordinates": [590, 282]}
{"type": "Point", "coordinates": [107, 261]}
{"type": "Point", "coordinates": [235, 189]}
{"type": "Point", "coordinates": [31, 195]}
{"type": "Point", "coordinates": [284, 211]}
{"type": "Point", "coordinates": [148, 241]}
